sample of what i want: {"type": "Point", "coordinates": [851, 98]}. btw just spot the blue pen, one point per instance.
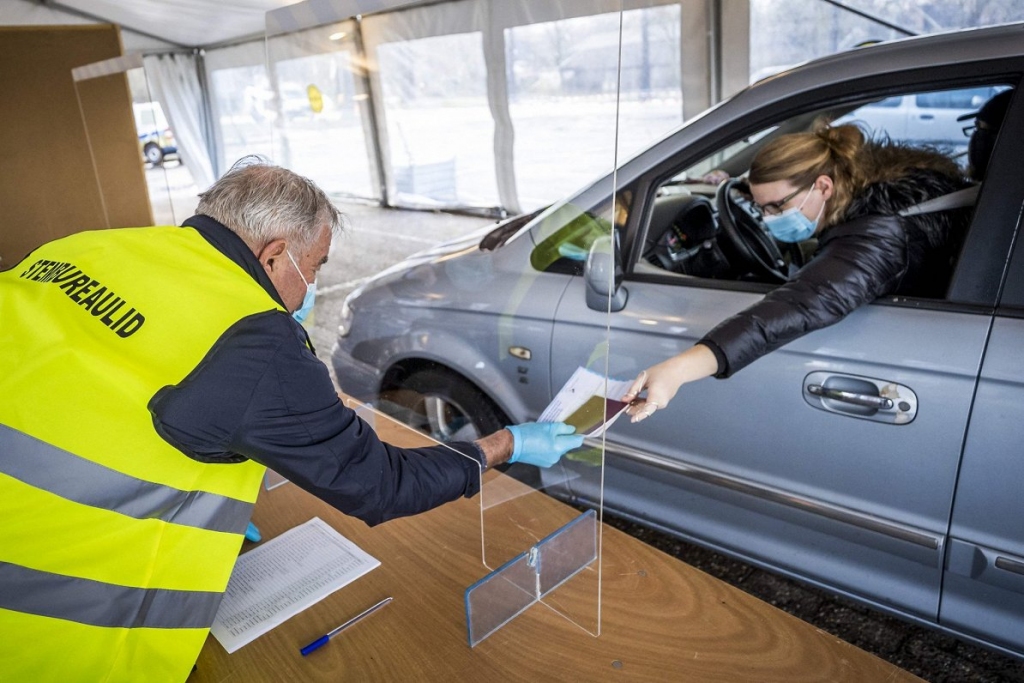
{"type": "Point", "coordinates": [252, 533]}
{"type": "Point", "coordinates": [322, 640]}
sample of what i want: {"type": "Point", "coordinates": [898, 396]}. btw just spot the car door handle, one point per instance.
{"type": "Point", "coordinates": [984, 565]}
{"type": "Point", "coordinates": [927, 117]}
{"type": "Point", "coordinates": [1008, 565]}
{"type": "Point", "coordinates": [866, 400]}
{"type": "Point", "coordinates": [869, 398]}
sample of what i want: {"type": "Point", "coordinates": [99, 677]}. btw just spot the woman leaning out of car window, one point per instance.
{"type": "Point", "coordinates": [833, 185]}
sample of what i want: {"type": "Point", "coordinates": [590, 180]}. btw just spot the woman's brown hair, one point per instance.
{"type": "Point", "coordinates": [842, 153]}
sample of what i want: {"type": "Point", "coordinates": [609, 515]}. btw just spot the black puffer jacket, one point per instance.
{"type": "Point", "coordinates": [873, 252]}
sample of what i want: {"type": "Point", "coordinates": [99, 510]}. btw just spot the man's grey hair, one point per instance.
{"type": "Point", "coordinates": [261, 202]}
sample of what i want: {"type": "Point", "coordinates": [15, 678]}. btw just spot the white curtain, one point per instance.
{"type": "Point", "coordinates": [446, 129]}
{"type": "Point", "coordinates": [236, 79]}
{"type": "Point", "coordinates": [548, 41]}
{"type": "Point", "coordinates": [174, 83]}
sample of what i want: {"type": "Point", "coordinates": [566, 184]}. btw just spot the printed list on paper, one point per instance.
{"type": "Point", "coordinates": [284, 576]}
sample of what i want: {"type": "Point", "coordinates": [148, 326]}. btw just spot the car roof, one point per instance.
{"type": "Point", "coordinates": [906, 54]}
{"type": "Point", "coordinates": [869, 64]}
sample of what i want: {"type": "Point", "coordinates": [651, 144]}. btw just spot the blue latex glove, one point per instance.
{"type": "Point", "coordinates": [542, 443]}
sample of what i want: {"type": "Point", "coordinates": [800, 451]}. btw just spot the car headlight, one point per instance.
{"type": "Point", "coordinates": [345, 326]}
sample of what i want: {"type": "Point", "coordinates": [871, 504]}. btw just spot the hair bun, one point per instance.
{"type": "Point", "coordinates": [844, 141]}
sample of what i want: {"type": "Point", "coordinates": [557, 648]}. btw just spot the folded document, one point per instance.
{"type": "Point", "coordinates": [585, 402]}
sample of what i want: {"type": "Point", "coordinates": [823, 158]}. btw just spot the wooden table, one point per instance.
{"type": "Point", "coordinates": [662, 620]}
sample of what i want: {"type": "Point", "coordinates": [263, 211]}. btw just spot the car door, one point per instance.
{"type": "Point", "coordinates": [773, 464]}
{"type": "Point", "coordinates": [983, 584]}
{"type": "Point", "coordinates": [756, 466]}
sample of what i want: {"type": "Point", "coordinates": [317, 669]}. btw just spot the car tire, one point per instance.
{"type": "Point", "coordinates": [153, 153]}
{"type": "Point", "coordinates": [443, 405]}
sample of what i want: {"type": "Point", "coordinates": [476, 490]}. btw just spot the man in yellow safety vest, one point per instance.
{"type": "Point", "coordinates": [148, 376]}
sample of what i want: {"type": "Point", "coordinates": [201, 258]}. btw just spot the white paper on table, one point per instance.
{"type": "Point", "coordinates": [578, 389]}
{"type": "Point", "coordinates": [284, 576]}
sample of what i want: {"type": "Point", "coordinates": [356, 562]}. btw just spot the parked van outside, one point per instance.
{"type": "Point", "coordinates": [928, 118]}
{"type": "Point", "coordinates": [155, 136]}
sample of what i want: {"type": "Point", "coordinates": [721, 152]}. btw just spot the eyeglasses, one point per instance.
{"type": "Point", "coordinates": [775, 208]}
{"type": "Point", "coordinates": [978, 125]}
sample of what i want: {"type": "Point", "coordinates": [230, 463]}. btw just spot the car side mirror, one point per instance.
{"type": "Point", "coordinates": [602, 275]}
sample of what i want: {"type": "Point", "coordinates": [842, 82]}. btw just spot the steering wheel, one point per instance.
{"type": "Point", "coordinates": [742, 228]}
{"type": "Point", "coordinates": [680, 224]}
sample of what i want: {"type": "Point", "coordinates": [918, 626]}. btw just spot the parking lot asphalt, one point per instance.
{"type": "Point", "coordinates": [379, 237]}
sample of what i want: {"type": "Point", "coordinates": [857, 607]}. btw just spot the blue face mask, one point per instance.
{"type": "Point", "coordinates": [307, 301]}
{"type": "Point", "coordinates": [792, 225]}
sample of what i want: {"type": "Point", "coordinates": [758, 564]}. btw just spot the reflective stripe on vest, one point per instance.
{"type": "Point", "coordinates": [65, 474]}
{"type": "Point", "coordinates": [103, 604]}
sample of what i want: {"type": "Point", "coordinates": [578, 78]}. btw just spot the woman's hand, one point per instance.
{"type": "Point", "coordinates": [663, 380]}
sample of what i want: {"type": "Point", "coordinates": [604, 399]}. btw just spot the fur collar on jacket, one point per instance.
{"type": "Point", "coordinates": [890, 197]}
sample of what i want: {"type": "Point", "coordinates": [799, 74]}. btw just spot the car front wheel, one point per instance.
{"type": "Point", "coordinates": [441, 404]}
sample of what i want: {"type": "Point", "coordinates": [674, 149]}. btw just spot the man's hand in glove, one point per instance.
{"type": "Point", "coordinates": [542, 443]}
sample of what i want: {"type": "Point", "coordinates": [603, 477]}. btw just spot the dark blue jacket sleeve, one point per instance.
{"type": "Point", "coordinates": [262, 394]}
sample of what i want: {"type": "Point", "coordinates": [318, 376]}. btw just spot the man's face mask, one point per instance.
{"type": "Point", "coordinates": [307, 301]}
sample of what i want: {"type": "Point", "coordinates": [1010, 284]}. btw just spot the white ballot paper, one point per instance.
{"type": "Point", "coordinates": [284, 576]}
{"type": "Point", "coordinates": [585, 403]}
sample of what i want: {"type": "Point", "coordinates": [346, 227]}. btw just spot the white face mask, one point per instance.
{"type": "Point", "coordinates": [307, 301]}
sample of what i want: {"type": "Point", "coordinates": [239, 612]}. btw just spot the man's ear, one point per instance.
{"type": "Point", "coordinates": [271, 254]}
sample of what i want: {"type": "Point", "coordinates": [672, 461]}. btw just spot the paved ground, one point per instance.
{"type": "Point", "coordinates": [378, 237]}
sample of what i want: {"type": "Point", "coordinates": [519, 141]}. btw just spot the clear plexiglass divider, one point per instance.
{"type": "Point", "coordinates": [540, 527]}
{"type": "Point", "coordinates": [559, 571]}
{"type": "Point", "coordinates": [528, 537]}
{"type": "Point", "coordinates": [533, 576]}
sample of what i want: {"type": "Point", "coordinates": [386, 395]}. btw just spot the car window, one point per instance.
{"type": "Point", "coordinates": [966, 99]}
{"type": "Point", "coordinates": [569, 231]}
{"type": "Point", "coordinates": [703, 171]}
{"type": "Point", "coordinates": [888, 102]}
{"type": "Point", "coordinates": [683, 231]}
{"type": "Point", "coordinates": [935, 118]}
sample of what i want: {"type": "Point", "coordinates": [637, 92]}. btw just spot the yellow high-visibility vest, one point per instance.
{"type": "Point", "coordinates": [115, 547]}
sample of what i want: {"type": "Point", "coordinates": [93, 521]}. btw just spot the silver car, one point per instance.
{"type": "Point", "coordinates": [881, 458]}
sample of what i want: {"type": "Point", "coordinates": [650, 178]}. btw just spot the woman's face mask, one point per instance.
{"type": "Point", "coordinates": [792, 225]}
{"type": "Point", "coordinates": [307, 301]}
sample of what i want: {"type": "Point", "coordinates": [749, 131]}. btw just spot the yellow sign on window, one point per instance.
{"type": "Point", "coordinates": [316, 98]}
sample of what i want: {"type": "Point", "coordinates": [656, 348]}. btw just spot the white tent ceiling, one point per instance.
{"type": "Point", "coordinates": [159, 24]}
{"type": "Point", "coordinates": [180, 23]}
